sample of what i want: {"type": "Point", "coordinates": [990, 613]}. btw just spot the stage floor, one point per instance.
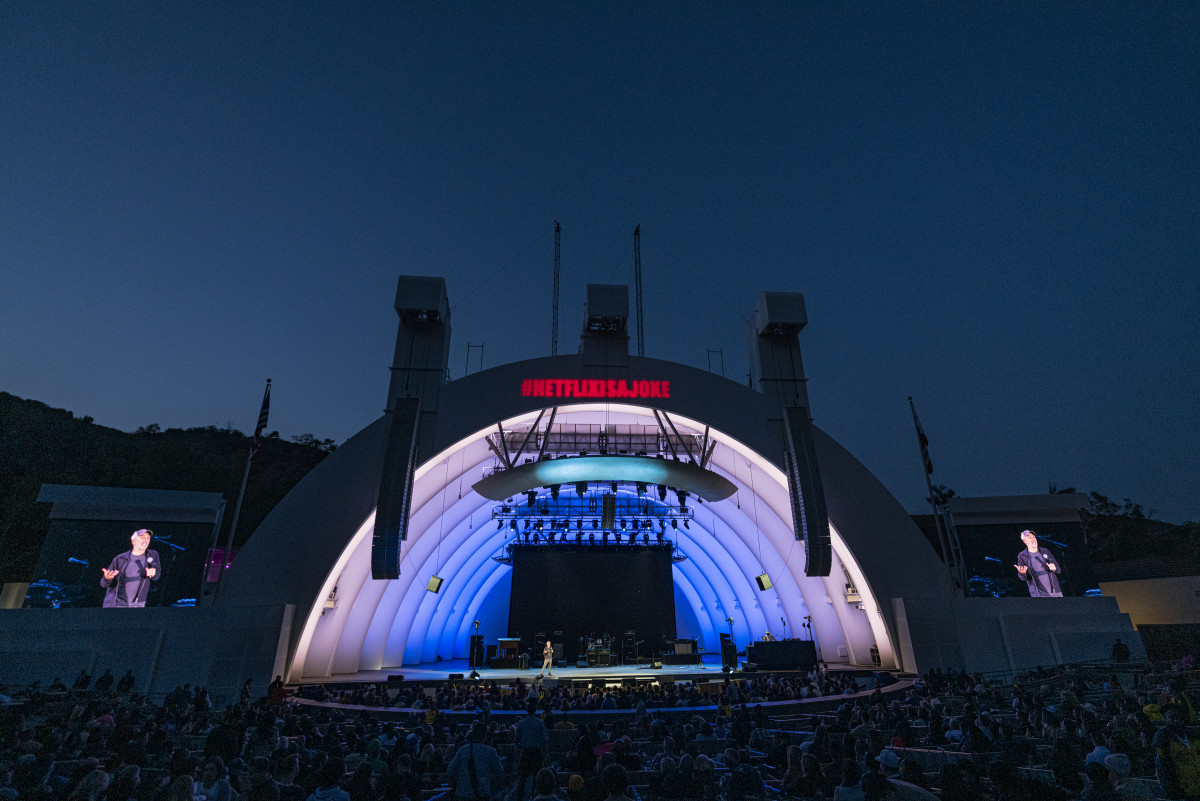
{"type": "Point", "coordinates": [709, 669]}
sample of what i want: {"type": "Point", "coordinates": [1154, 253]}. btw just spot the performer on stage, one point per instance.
{"type": "Point", "coordinates": [126, 580]}
{"type": "Point", "coordinates": [1038, 568]}
{"type": "Point", "coordinates": [547, 659]}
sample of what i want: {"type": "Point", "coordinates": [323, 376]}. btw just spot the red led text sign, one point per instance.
{"type": "Point", "coordinates": [593, 388]}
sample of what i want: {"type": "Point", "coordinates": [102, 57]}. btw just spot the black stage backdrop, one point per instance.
{"type": "Point", "coordinates": [584, 590]}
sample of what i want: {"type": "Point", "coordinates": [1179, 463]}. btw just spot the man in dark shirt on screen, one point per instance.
{"type": "Point", "coordinates": [1038, 568]}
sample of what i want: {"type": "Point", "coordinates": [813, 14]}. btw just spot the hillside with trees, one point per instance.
{"type": "Point", "coordinates": [42, 445]}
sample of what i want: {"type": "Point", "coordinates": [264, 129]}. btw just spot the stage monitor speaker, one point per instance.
{"type": "Point", "coordinates": [435, 584]}
{"type": "Point", "coordinates": [457, 676]}
{"type": "Point", "coordinates": [764, 581]}
{"type": "Point", "coordinates": [608, 512]}
{"type": "Point", "coordinates": [395, 678]}
{"type": "Point", "coordinates": [550, 683]}
{"type": "Point", "coordinates": [656, 665]}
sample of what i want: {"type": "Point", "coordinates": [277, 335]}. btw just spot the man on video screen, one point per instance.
{"type": "Point", "coordinates": [1038, 568]}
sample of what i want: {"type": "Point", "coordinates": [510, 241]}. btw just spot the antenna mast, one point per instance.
{"type": "Point", "coordinates": [557, 271]}
{"type": "Point", "coordinates": [637, 280]}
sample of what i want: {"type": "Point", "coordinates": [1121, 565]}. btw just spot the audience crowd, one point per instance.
{"type": "Point", "coordinates": [1095, 734]}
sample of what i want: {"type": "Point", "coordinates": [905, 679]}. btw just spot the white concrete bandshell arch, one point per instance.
{"type": "Point", "coordinates": [386, 624]}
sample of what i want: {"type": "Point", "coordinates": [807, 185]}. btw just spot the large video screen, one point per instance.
{"type": "Point", "coordinates": [591, 591]}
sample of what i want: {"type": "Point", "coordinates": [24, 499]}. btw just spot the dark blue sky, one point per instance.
{"type": "Point", "coordinates": [993, 210]}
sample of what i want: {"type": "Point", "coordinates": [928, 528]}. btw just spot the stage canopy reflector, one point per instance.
{"type": "Point", "coordinates": [705, 484]}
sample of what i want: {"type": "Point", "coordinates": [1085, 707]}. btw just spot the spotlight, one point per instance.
{"type": "Point", "coordinates": [592, 539]}
{"type": "Point", "coordinates": [581, 488]}
{"type": "Point", "coordinates": [554, 491]}
{"type": "Point", "coordinates": [623, 524]}
{"type": "Point", "coordinates": [530, 498]}
{"type": "Point", "coordinates": [614, 487]}
{"type": "Point", "coordinates": [675, 525]}
{"type": "Point", "coordinates": [499, 525]}
{"type": "Point", "coordinates": [681, 496]}
{"type": "Point", "coordinates": [646, 538]}
{"type": "Point", "coordinates": [662, 492]}
{"type": "Point", "coordinates": [659, 536]}
{"type": "Point", "coordinates": [685, 525]}
{"type": "Point", "coordinates": [512, 524]}
{"type": "Point", "coordinates": [641, 488]}
{"type": "Point", "coordinates": [579, 524]}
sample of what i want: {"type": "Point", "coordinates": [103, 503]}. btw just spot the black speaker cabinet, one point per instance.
{"type": "Point", "coordinates": [475, 658]}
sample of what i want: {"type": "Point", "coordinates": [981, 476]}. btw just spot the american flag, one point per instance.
{"type": "Point", "coordinates": [262, 421]}
{"type": "Point", "coordinates": [923, 440]}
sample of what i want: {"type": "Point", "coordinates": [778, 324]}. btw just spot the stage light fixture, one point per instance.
{"type": "Point", "coordinates": [592, 539]}
{"type": "Point", "coordinates": [641, 488]}
{"type": "Point", "coordinates": [624, 523]}
{"type": "Point", "coordinates": [530, 498]}
{"type": "Point", "coordinates": [554, 491]}
{"type": "Point", "coordinates": [646, 538]}
{"type": "Point", "coordinates": [662, 492]}
{"type": "Point", "coordinates": [675, 525]}
{"type": "Point", "coordinates": [659, 536]}
{"type": "Point", "coordinates": [499, 525]}
{"type": "Point", "coordinates": [579, 524]}
{"type": "Point", "coordinates": [686, 525]}
{"type": "Point", "coordinates": [614, 487]}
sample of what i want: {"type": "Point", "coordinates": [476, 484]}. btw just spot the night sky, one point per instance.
{"type": "Point", "coordinates": [994, 210]}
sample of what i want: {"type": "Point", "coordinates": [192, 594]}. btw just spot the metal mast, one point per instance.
{"type": "Point", "coordinates": [557, 271]}
{"type": "Point", "coordinates": [637, 280]}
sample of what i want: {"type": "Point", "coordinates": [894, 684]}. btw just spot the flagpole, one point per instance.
{"type": "Point", "coordinates": [237, 509]}
{"type": "Point", "coordinates": [927, 469]}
